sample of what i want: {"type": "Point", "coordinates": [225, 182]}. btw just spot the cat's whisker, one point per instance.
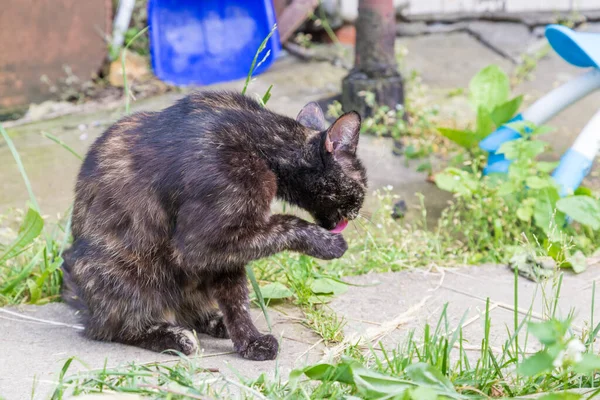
{"type": "Point", "coordinates": [367, 220]}
{"type": "Point", "coordinates": [365, 228]}
{"type": "Point", "coordinates": [365, 213]}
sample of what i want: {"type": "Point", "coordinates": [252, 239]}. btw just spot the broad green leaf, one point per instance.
{"type": "Point", "coordinates": [423, 393]}
{"type": "Point", "coordinates": [505, 111]}
{"type": "Point", "coordinates": [541, 130]}
{"type": "Point", "coordinates": [374, 385]}
{"type": "Point", "coordinates": [319, 299]}
{"type": "Point", "coordinates": [523, 127]}
{"type": "Point", "coordinates": [426, 374]}
{"type": "Point", "coordinates": [456, 181]}
{"type": "Point", "coordinates": [577, 262]}
{"type": "Point", "coordinates": [294, 377]}
{"type": "Point", "coordinates": [545, 332]}
{"type": "Point", "coordinates": [30, 229]}
{"type": "Point", "coordinates": [328, 286]}
{"type": "Point", "coordinates": [583, 209]}
{"type": "Point", "coordinates": [522, 148]}
{"type": "Point", "coordinates": [532, 148]}
{"type": "Point", "coordinates": [588, 364]}
{"type": "Point", "coordinates": [545, 166]}
{"type": "Point", "coordinates": [447, 182]}
{"type": "Point", "coordinates": [536, 364]}
{"type": "Point", "coordinates": [327, 372]}
{"type": "Point", "coordinates": [562, 396]}
{"type": "Point", "coordinates": [275, 290]}
{"type": "Point", "coordinates": [524, 213]}
{"type": "Point", "coordinates": [583, 191]}
{"type": "Point", "coordinates": [506, 188]}
{"type": "Point", "coordinates": [509, 149]}
{"type": "Point", "coordinates": [489, 88]}
{"type": "Point", "coordinates": [466, 139]}
{"type": "Point", "coordinates": [485, 125]}
{"type": "Point", "coordinates": [537, 182]}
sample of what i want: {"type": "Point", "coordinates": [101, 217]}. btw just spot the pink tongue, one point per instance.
{"type": "Point", "coordinates": [340, 226]}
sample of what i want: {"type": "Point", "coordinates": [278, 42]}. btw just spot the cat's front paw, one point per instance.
{"type": "Point", "coordinates": [328, 246]}
{"type": "Point", "coordinates": [261, 349]}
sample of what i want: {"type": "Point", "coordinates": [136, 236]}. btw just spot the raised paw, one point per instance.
{"type": "Point", "coordinates": [261, 349]}
{"type": "Point", "coordinates": [328, 246]}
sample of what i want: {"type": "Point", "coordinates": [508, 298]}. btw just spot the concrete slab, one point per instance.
{"type": "Point", "coordinates": [511, 39]}
{"type": "Point", "coordinates": [463, 293]}
{"type": "Point", "coordinates": [38, 348]}
{"type": "Point", "coordinates": [449, 60]}
{"type": "Point", "coordinates": [34, 351]}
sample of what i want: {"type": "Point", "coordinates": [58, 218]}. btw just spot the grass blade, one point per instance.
{"type": "Point", "coordinates": [259, 297]}
{"type": "Point", "coordinates": [253, 65]}
{"type": "Point", "coordinates": [63, 144]}
{"type": "Point", "coordinates": [264, 101]}
{"type": "Point", "coordinates": [24, 274]}
{"type": "Point", "coordinates": [17, 157]}
{"type": "Point", "coordinates": [125, 84]}
{"type": "Point", "coordinates": [67, 233]}
{"type": "Point", "coordinates": [30, 229]}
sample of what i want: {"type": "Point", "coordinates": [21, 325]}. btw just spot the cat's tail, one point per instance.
{"type": "Point", "coordinates": [71, 293]}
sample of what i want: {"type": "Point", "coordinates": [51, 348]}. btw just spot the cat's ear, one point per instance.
{"type": "Point", "coordinates": [311, 116]}
{"type": "Point", "coordinates": [343, 135]}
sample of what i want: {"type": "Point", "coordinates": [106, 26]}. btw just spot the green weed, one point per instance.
{"type": "Point", "coordinates": [435, 362]}
{"type": "Point", "coordinates": [489, 93]}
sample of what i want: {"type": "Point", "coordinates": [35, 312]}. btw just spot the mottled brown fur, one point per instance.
{"type": "Point", "coordinates": [171, 206]}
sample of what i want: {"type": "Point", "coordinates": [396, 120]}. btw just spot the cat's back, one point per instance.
{"type": "Point", "coordinates": [144, 138]}
{"type": "Point", "coordinates": [143, 162]}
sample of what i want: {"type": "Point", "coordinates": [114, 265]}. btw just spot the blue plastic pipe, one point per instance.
{"type": "Point", "coordinates": [539, 113]}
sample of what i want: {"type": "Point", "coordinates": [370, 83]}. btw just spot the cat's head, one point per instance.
{"type": "Point", "coordinates": [335, 184]}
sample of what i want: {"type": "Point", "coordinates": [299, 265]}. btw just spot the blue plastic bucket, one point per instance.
{"type": "Point", "coordinates": [200, 42]}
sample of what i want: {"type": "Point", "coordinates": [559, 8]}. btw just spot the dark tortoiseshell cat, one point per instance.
{"type": "Point", "coordinates": [171, 206]}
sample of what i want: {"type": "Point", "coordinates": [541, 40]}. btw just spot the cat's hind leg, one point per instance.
{"type": "Point", "coordinates": [200, 313]}
{"type": "Point", "coordinates": [212, 324]}
{"type": "Point", "coordinates": [122, 307]}
{"type": "Point", "coordinates": [156, 335]}
{"type": "Point", "coordinates": [165, 338]}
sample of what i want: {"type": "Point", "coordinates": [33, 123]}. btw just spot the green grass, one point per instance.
{"type": "Point", "coordinates": [30, 256]}
{"type": "Point", "coordinates": [433, 362]}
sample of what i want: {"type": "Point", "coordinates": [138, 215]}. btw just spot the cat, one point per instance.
{"type": "Point", "coordinates": [171, 206]}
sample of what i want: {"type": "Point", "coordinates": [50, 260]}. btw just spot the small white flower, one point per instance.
{"type": "Point", "coordinates": [559, 360]}
{"type": "Point", "coordinates": [573, 354]}
{"type": "Point", "coordinates": [575, 350]}
{"type": "Point", "coordinates": [389, 187]}
{"type": "Point", "coordinates": [379, 226]}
